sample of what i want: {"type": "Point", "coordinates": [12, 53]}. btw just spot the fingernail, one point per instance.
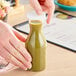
{"type": "Point", "coordinates": [30, 66]}
{"type": "Point", "coordinates": [25, 69]}
{"type": "Point", "coordinates": [48, 22]}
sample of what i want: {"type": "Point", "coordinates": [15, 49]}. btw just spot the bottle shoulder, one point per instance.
{"type": "Point", "coordinates": [36, 40]}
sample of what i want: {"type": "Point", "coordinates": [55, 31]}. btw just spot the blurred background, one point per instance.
{"type": "Point", "coordinates": [24, 1]}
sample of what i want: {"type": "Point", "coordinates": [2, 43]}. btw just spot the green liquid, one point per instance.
{"type": "Point", "coordinates": [36, 45]}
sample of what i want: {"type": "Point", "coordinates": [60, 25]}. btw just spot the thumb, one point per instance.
{"type": "Point", "coordinates": [35, 4]}
{"type": "Point", "coordinates": [19, 35]}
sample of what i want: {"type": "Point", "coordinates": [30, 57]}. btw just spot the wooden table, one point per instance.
{"type": "Point", "coordinates": [60, 62]}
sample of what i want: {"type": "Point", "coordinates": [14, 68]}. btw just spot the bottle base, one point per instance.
{"type": "Point", "coordinates": [36, 70]}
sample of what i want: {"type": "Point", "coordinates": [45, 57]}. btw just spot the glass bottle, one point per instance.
{"type": "Point", "coordinates": [36, 46]}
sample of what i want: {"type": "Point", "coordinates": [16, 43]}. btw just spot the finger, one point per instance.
{"type": "Point", "coordinates": [16, 44]}
{"type": "Point", "coordinates": [45, 9]}
{"type": "Point", "coordinates": [50, 13]}
{"type": "Point", "coordinates": [49, 16]}
{"type": "Point", "coordinates": [36, 6]}
{"type": "Point", "coordinates": [8, 68]}
{"type": "Point", "coordinates": [14, 52]}
{"type": "Point", "coordinates": [9, 58]}
{"type": "Point", "coordinates": [49, 3]}
{"type": "Point", "coordinates": [50, 9]}
{"type": "Point", "coordinates": [3, 61]}
{"type": "Point", "coordinates": [7, 9]}
{"type": "Point", "coordinates": [19, 35]}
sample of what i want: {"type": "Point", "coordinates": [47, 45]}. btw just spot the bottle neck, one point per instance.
{"type": "Point", "coordinates": [35, 26]}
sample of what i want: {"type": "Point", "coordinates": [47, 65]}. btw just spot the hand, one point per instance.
{"type": "Point", "coordinates": [11, 49]}
{"type": "Point", "coordinates": [43, 6]}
